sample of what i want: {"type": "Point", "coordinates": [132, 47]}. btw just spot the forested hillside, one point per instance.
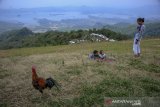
{"type": "Point", "coordinates": [14, 38]}
{"type": "Point", "coordinates": [26, 38]}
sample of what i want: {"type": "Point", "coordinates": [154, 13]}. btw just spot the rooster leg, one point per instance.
{"type": "Point", "coordinates": [40, 90]}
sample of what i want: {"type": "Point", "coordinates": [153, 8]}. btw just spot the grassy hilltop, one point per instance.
{"type": "Point", "coordinates": [84, 82]}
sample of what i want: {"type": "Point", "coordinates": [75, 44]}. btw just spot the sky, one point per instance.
{"type": "Point", "coordinates": [49, 3]}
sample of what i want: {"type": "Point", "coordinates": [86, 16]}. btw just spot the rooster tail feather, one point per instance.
{"type": "Point", "coordinates": [50, 82]}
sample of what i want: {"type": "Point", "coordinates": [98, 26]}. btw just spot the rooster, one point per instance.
{"type": "Point", "coordinates": [40, 83]}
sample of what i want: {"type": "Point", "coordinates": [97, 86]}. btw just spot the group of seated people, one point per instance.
{"type": "Point", "coordinates": [97, 55]}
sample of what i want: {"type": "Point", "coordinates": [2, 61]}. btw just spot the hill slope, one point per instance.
{"type": "Point", "coordinates": [84, 82]}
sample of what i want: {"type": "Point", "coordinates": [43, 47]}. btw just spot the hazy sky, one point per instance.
{"type": "Point", "coordinates": [45, 3]}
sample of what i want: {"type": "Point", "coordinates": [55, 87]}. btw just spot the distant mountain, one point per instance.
{"type": "Point", "coordinates": [10, 35]}
{"type": "Point", "coordinates": [152, 29]}
{"type": "Point", "coordinates": [14, 38]}
{"type": "Point", "coordinates": [75, 24]}
{"type": "Point", "coordinates": [6, 26]}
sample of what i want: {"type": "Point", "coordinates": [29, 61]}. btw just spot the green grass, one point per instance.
{"type": "Point", "coordinates": [151, 86]}
{"type": "Point", "coordinates": [117, 47]}
{"type": "Point", "coordinates": [4, 73]}
{"type": "Point", "coordinates": [84, 83]}
{"type": "Point", "coordinates": [112, 88]}
{"type": "Point", "coordinates": [74, 70]}
{"type": "Point", "coordinates": [138, 64]}
{"type": "Point", "coordinates": [3, 105]}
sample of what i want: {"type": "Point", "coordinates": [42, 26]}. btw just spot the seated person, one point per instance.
{"type": "Point", "coordinates": [94, 55]}
{"type": "Point", "coordinates": [102, 55]}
